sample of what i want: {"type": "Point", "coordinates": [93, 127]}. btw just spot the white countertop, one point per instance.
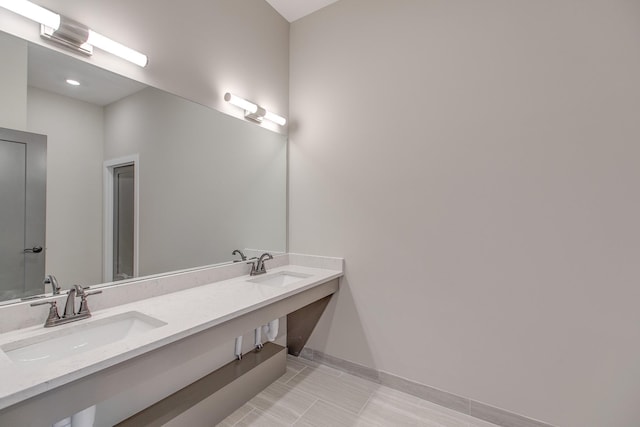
{"type": "Point", "coordinates": [186, 312]}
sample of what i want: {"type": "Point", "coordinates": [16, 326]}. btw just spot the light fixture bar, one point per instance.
{"type": "Point", "coordinates": [117, 49]}
{"type": "Point", "coordinates": [253, 111]}
{"type": "Point", "coordinates": [32, 11]}
{"type": "Point", "coordinates": [279, 120]}
{"type": "Point", "coordinates": [247, 106]}
{"type": "Point", "coordinates": [70, 33]}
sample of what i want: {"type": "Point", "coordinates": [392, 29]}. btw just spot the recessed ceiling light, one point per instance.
{"type": "Point", "coordinates": [73, 82]}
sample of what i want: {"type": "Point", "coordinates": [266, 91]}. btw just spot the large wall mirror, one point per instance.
{"type": "Point", "coordinates": [139, 181]}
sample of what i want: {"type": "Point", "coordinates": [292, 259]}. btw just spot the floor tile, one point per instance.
{"type": "Point", "coordinates": [288, 375]}
{"type": "Point", "coordinates": [314, 395]}
{"type": "Point", "coordinates": [282, 402]}
{"type": "Point", "coordinates": [295, 363]}
{"type": "Point", "coordinates": [348, 395]}
{"type": "Point", "coordinates": [257, 418]}
{"type": "Point", "coordinates": [323, 414]}
{"type": "Point", "coordinates": [381, 410]}
{"type": "Point", "coordinates": [239, 414]}
{"type": "Point", "coordinates": [317, 366]}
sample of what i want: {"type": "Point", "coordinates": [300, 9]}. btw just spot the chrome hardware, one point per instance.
{"type": "Point", "coordinates": [70, 305]}
{"type": "Point", "coordinates": [33, 250]}
{"type": "Point", "coordinates": [84, 307]}
{"type": "Point", "coordinates": [51, 280]}
{"type": "Point", "coordinates": [53, 316]}
{"type": "Point", "coordinates": [242, 255]}
{"type": "Point", "coordinates": [32, 297]}
{"type": "Point", "coordinates": [259, 268]}
{"type": "Point", "coordinates": [70, 314]}
{"type": "Point", "coordinates": [238, 348]}
{"type": "Point", "coordinates": [258, 338]}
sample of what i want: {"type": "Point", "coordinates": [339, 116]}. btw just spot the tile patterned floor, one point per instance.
{"type": "Point", "coordinates": [314, 395]}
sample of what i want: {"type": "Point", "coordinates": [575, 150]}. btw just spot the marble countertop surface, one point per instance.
{"type": "Point", "coordinates": [185, 313]}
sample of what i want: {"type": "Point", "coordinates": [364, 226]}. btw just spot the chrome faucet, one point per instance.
{"type": "Point", "coordinates": [70, 305]}
{"type": "Point", "coordinates": [239, 252]}
{"type": "Point", "coordinates": [70, 314]}
{"type": "Point", "coordinates": [50, 279]}
{"type": "Point", "coordinates": [259, 268]}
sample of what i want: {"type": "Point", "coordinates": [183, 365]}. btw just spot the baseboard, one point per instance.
{"type": "Point", "coordinates": [461, 404]}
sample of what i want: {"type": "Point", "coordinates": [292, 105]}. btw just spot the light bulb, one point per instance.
{"type": "Point", "coordinates": [275, 118]}
{"type": "Point", "coordinates": [241, 103]}
{"type": "Point", "coordinates": [32, 11]}
{"type": "Point", "coordinates": [111, 46]}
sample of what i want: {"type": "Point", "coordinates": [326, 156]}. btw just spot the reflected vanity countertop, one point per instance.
{"type": "Point", "coordinates": [185, 313]}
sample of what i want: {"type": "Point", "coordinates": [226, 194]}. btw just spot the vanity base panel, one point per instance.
{"type": "Point", "coordinates": [211, 399]}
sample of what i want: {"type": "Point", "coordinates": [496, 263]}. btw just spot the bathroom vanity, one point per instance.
{"type": "Point", "coordinates": [149, 329]}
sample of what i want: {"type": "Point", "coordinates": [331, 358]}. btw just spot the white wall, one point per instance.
{"type": "Point", "coordinates": [13, 82]}
{"type": "Point", "coordinates": [209, 183]}
{"type": "Point", "coordinates": [477, 165]}
{"type": "Point", "coordinates": [75, 138]}
{"type": "Point", "coordinates": [198, 50]}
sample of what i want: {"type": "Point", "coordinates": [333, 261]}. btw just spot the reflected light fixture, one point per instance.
{"type": "Point", "coordinates": [71, 34]}
{"type": "Point", "coordinates": [73, 82]}
{"type": "Point", "coordinates": [254, 111]}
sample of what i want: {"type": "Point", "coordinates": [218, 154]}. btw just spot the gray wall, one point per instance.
{"type": "Point", "coordinates": [209, 183]}
{"type": "Point", "coordinates": [477, 165]}
{"type": "Point", "coordinates": [74, 132]}
{"type": "Point", "coordinates": [13, 83]}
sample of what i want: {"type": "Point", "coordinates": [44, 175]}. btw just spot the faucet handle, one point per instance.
{"type": "Point", "coordinates": [80, 290]}
{"type": "Point", "coordinates": [84, 307]}
{"type": "Point", "coordinates": [53, 312]}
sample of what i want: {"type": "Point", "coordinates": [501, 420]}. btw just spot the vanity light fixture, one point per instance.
{"type": "Point", "coordinates": [254, 111]}
{"type": "Point", "coordinates": [117, 49]}
{"type": "Point", "coordinates": [71, 34]}
{"type": "Point", "coordinates": [32, 11]}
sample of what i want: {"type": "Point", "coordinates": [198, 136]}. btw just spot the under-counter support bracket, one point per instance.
{"type": "Point", "coordinates": [300, 324]}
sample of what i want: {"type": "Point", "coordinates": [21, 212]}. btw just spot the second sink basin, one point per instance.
{"type": "Point", "coordinates": [79, 338]}
{"type": "Point", "coordinates": [280, 279]}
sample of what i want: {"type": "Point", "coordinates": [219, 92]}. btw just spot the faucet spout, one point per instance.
{"type": "Point", "coordinates": [70, 306]}
{"type": "Point", "coordinates": [243, 257]}
{"type": "Point", "coordinates": [259, 268]}
{"type": "Point", "coordinates": [50, 279]}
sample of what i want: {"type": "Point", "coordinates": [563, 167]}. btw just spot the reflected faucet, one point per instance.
{"type": "Point", "coordinates": [51, 279]}
{"type": "Point", "coordinates": [239, 252]}
{"type": "Point", "coordinates": [259, 268]}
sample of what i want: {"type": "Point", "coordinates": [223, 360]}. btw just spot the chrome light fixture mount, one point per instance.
{"type": "Point", "coordinates": [252, 111]}
{"type": "Point", "coordinates": [257, 117]}
{"type": "Point", "coordinates": [71, 34]}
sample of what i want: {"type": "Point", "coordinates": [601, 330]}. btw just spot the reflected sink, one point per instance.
{"type": "Point", "coordinates": [79, 338]}
{"type": "Point", "coordinates": [280, 279]}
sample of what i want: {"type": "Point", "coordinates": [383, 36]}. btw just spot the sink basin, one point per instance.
{"type": "Point", "coordinates": [79, 338]}
{"type": "Point", "coordinates": [280, 279]}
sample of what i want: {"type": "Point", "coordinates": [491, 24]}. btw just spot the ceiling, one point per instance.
{"type": "Point", "coordinates": [295, 9]}
{"type": "Point", "coordinates": [49, 70]}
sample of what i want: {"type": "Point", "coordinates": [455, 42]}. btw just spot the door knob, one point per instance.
{"type": "Point", "coordinates": [33, 250]}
